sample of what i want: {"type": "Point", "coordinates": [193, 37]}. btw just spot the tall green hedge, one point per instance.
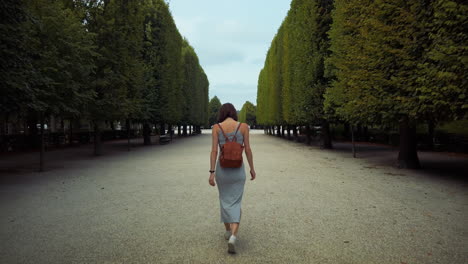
{"type": "Point", "coordinates": [386, 63]}
{"type": "Point", "coordinates": [103, 61]}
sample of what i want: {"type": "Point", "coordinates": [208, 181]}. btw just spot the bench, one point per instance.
{"type": "Point", "coordinates": [165, 139]}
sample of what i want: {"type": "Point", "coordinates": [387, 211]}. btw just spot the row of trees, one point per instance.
{"type": "Point", "coordinates": [379, 63]}
{"type": "Point", "coordinates": [248, 114]}
{"type": "Point", "coordinates": [213, 110]}
{"type": "Point", "coordinates": [103, 61]}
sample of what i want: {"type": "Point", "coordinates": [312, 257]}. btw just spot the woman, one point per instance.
{"type": "Point", "coordinates": [230, 180]}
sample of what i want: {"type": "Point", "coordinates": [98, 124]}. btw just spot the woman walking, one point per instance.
{"type": "Point", "coordinates": [230, 181]}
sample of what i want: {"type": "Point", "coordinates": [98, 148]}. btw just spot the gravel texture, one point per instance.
{"type": "Point", "coordinates": [307, 205]}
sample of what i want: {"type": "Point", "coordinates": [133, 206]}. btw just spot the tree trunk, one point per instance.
{"type": "Point", "coordinates": [178, 130]}
{"type": "Point", "coordinates": [146, 134]}
{"type": "Point", "coordinates": [33, 133]}
{"type": "Point", "coordinates": [294, 129]}
{"type": "Point", "coordinates": [70, 140]}
{"type": "Point", "coordinates": [408, 155]}
{"type": "Point", "coordinates": [326, 137]}
{"type": "Point", "coordinates": [352, 140]}
{"type": "Point", "coordinates": [278, 130]}
{"type": "Point", "coordinates": [62, 125]}
{"type": "Point", "coordinates": [97, 139]}
{"type": "Point", "coordinates": [184, 130]}
{"type": "Point", "coordinates": [114, 136]}
{"type": "Point", "coordinates": [288, 128]}
{"type": "Point", "coordinates": [365, 131]}
{"type": "Point", "coordinates": [346, 130]}
{"type": "Point", "coordinates": [162, 130]}
{"type": "Point", "coordinates": [430, 131]}
{"type": "Point", "coordinates": [359, 132]}
{"type": "Point", "coordinates": [127, 124]}
{"type": "Point", "coordinates": [308, 135]}
{"type": "Point", "coordinates": [41, 154]}
{"type": "Point", "coordinates": [4, 126]}
{"type": "Point", "coordinates": [190, 130]}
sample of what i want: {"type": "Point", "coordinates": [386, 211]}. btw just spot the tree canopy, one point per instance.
{"type": "Point", "coordinates": [213, 110]}
{"type": "Point", "coordinates": [386, 63]}
{"type": "Point", "coordinates": [248, 114]}
{"type": "Point", "coordinates": [99, 60]}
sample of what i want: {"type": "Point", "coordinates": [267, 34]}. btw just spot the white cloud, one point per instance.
{"type": "Point", "coordinates": [231, 39]}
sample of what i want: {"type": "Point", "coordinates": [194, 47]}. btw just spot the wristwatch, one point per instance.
{"type": "Point", "coordinates": [212, 171]}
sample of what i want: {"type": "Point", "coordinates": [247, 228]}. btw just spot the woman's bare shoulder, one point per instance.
{"type": "Point", "coordinates": [244, 127]}
{"type": "Point", "coordinates": [214, 128]}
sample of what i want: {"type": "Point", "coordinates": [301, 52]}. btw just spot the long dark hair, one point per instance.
{"type": "Point", "coordinates": [227, 110]}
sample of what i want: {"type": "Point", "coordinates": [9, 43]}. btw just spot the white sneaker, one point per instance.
{"type": "Point", "coordinates": [232, 244]}
{"type": "Point", "coordinates": [227, 235]}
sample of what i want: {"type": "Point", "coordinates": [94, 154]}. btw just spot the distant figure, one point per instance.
{"type": "Point", "coordinates": [230, 180]}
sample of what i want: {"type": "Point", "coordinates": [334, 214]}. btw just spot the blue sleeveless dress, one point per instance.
{"type": "Point", "coordinates": [230, 182]}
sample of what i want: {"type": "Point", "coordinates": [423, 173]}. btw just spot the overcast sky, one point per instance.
{"type": "Point", "coordinates": [231, 38]}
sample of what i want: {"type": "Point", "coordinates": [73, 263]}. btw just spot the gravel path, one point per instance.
{"type": "Point", "coordinates": [154, 205]}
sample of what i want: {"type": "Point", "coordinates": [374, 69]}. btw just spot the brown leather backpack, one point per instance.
{"type": "Point", "coordinates": [231, 151]}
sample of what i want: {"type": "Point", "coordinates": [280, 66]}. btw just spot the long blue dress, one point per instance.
{"type": "Point", "coordinates": [230, 182]}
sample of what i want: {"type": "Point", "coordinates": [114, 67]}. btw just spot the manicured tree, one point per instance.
{"type": "Point", "coordinates": [166, 43]}
{"type": "Point", "coordinates": [155, 98]}
{"type": "Point", "coordinates": [294, 68]}
{"type": "Point", "coordinates": [201, 94]}
{"type": "Point", "coordinates": [267, 94]}
{"type": "Point", "coordinates": [193, 89]}
{"type": "Point", "coordinates": [172, 65]}
{"type": "Point", "coordinates": [119, 78]}
{"type": "Point", "coordinates": [261, 99]}
{"type": "Point", "coordinates": [287, 98]}
{"type": "Point", "coordinates": [308, 23]}
{"type": "Point", "coordinates": [16, 70]}
{"type": "Point", "coordinates": [63, 59]}
{"type": "Point", "coordinates": [248, 114]}
{"type": "Point", "coordinates": [250, 117]}
{"type": "Point", "coordinates": [320, 41]}
{"type": "Point", "coordinates": [189, 66]}
{"type": "Point", "coordinates": [273, 84]}
{"type": "Point", "coordinates": [367, 56]}
{"type": "Point", "coordinates": [385, 59]}
{"type": "Point", "coordinates": [213, 110]}
{"type": "Point", "coordinates": [242, 114]}
{"type": "Point", "coordinates": [442, 80]}
{"type": "Point", "coordinates": [177, 87]}
{"type": "Point", "coordinates": [205, 85]}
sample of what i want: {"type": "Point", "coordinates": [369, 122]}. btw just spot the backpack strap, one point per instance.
{"type": "Point", "coordinates": [235, 134]}
{"type": "Point", "coordinates": [224, 134]}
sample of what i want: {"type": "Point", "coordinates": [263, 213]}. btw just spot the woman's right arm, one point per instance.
{"type": "Point", "coordinates": [213, 155]}
{"type": "Point", "coordinates": [248, 152]}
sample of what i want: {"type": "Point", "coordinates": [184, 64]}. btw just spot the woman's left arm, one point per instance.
{"type": "Point", "coordinates": [214, 154]}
